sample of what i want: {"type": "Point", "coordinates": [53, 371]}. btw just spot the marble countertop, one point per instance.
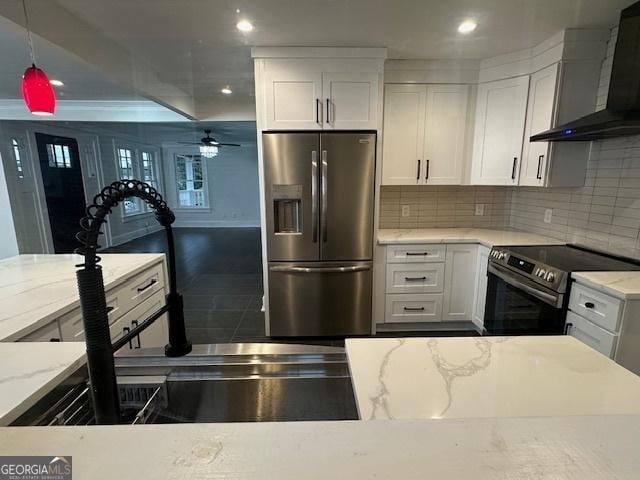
{"type": "Point", "coordinates": [486, 237]}
{"type": "Point", "coordinates": [37, 289]}
{"type": "Point", "coordinates": [28, 371]}
{"type": "Point", "coordinates": [625, 285]}
{"type": "Point", "coordinates": [585, 448]}
{"type": "Point", "coordinates": [464, 377]}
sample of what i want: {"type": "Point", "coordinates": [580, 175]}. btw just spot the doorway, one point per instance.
{"type": "Point", "coordinates": [63, 188]}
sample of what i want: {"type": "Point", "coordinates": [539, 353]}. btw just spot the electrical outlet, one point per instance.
{"type": "Point", "coordinates": [406, 211]}
{"type": "Point", "coordinates": [547, 215]}
{"type": "Point", "coordinates": [479, 208]}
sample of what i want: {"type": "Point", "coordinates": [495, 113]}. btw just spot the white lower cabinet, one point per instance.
{"type": "Point", "coordinates": [459, 283]}
{"type": "Point", "coordinates": [48, 333]}
{"type": "Point", "coordinates": [413, 308]}
{"type": "Point", "coordinates": [597, 338]}
{"type": "Point", "coordinates": [434, 283]}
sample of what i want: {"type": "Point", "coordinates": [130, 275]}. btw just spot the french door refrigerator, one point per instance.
{"type": "Point", "coordinates": [319, 190]}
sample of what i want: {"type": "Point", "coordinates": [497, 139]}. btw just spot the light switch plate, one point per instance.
{"type": "Point", "coordinates": [406, 211]}
{"type": "Point", "coordinates": [547, 215]}
{"type": "Point", "coordinates": [479, 208]}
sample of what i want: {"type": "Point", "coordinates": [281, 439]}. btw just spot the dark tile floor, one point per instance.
{"type": "Point", "coordinates": [219, 273]}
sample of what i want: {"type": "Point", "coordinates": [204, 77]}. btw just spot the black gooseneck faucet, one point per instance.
{"type": "Point", "coordinates": [100, 350]}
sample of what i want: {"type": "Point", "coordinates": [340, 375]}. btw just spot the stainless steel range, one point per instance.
{"type": "Point", "coordinates": [528, 286]}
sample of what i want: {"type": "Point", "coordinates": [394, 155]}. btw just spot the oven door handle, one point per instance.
{"type": "Point", "coordinates": [506, 276]}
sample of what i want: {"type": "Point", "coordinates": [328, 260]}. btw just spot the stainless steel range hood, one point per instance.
{"type": "Point", "coordinates": [622, 114]}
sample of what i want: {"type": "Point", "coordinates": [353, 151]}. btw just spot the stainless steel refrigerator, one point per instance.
{"type": "Point", "coordinates": [319, 191]}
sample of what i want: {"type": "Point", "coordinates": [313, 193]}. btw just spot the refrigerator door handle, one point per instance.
{"type": "Point", "coordinates": [314, 195]}
{"type": "Point", "coordinates": [323, 208]}
{"type": "Point", "coordinates": [346, 269]}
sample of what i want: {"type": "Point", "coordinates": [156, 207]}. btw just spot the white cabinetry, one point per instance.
{"type": "Point", "coordinates": [459, 283]}
{"type": "Point", "coordinates": [480, 296]}
{"type": "Point", "coordinates": [432, 283]}
{"type": "Point", "coordinates": [319, 94]}
{"type": "Point", "coordinates": [499, 128]}
{"type": "Point", "coordinates": [423, 127]}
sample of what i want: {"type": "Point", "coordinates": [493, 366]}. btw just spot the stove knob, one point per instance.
{"type": "Point", "coordinates": [550, 277]}
{"type": "Point", "coordinates": [536, 272]}
{"type": "Point", "coordinates": [542, 272]}
{"type": "Point", "coordinates": [502, 255]}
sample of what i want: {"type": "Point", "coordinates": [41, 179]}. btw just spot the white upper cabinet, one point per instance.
{"type": "Point", "coordinates": [294, 99]}
{"type": "Point", "coordinates": [446, 112]}
{"type": "Point", "coordinates": [424, 128]}
{"type": "Point", "coordinates": [540, 117]}
{"type": "Point", "coordinates": [500, 119]}
{"type": "Point", "coordinates": [350, 100]}
{"type": "Point", "coordinates": [403, 131]}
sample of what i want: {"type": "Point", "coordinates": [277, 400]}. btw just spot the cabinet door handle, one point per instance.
{"type": "Point", "coordinates": [110, 309]}
{"type": "Point", "coordinates": [54, 339]}
{"type": "Point", "coordinates": [412, 309]}
{"type": "Point", "coordinates": [567, 328]}
{"type": "Point", "coordinates": [149, 285]}
{"type": "Point", "coordinates": [125, 331]}
{"type": "Point", "coordinates": [328, 106]}
{"type": "Point", "coordinates": [415, 279]}
{"type": "Point", "coordinates": [513, 169]}
{"type": "Point", "coordinates": [416, 254]}
{"type": "Point", "coordinates": [539, 173]}
{"type": "Point", "coordinates": [134, 324]}
{"type": "Point", "coordinates": [426, 177]}
{"type": "Point", "coordinates": [589, 305]}
{"type": "Point", "coordinates": [318, 107]}
{"type": "Point", "coordinates": [418, 173]}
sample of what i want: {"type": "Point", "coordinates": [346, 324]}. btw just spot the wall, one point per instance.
{"type": "Point", "coordinates": [8, 241]}
{"type": "Point", "coordinates": [98, 161]}
{"type": "Point", "coordinates": [233, 188]}
{"type": "Point", "coordinates": [605, 213]}
{"type": "Point", "coordinates": [444, 206]}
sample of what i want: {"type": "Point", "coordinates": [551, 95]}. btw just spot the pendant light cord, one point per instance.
{"type": "Point", "coordinates": [29, 39]}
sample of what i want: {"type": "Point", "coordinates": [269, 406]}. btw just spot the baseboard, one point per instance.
{"type": "Point", "coordinates": [216, 223]}
{"type": "Point", "coordinates": [133, 234]}
{"type": "Point", "coordinates": [426, 327]}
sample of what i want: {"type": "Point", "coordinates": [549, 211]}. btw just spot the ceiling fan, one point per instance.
{"type": "Point", "coordinates": [209, 145]}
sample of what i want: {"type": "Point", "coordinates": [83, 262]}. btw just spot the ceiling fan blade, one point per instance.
{"type": "Point", "coordinates": [189, 143]}
{"type": "Point", "coordinates": [228, 144]}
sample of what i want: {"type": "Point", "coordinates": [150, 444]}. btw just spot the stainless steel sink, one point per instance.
{"type": "Point", "coordinates": [215, 383]}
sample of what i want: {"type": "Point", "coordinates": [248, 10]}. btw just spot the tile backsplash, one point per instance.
{"type": "Point", "coordinates": [444, 206]}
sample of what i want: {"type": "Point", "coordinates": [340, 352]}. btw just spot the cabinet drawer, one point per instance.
{"type": "Point", "coordinates": [139, 288]}
{"type": "Point", "coordinates": [600, 308]}
{"type": "Point", "coordinates": [413, 308]}
{"type": "Point", "coordinates": [48, 333]}
{"type": "Point", "coordinates": [72, 326]}
{"type": "Point", "coordinates": [597, 338]}
{"type": "Point", "coordinates": [415, 278]}
{"type": "Point", "coordinates": [416, 253]}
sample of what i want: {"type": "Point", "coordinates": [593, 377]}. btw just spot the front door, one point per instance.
{"type": "Point", "coordinates": [63, 188]}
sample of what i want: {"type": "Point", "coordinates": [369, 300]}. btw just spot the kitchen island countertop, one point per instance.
{"type": "Point", "coordinates": [464, 377]}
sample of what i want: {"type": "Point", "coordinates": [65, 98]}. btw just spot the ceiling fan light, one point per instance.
{"type": "Point", "coordinates": [208, 151]}
{"type": "Point", "coordinates": [37, 92]}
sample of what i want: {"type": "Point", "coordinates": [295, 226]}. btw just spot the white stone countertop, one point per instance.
{"type": "Point", "coordinates": [37, 289]}
{"type": "Point", "coordinates": [585, 448]}
{"type": "Point", "coordinates": [486, 237]}
{"type": "Point", "coordinates": [625, 285]}
{"type": "Point", "coordinates": [465, 377]}
{"type": "Point", "coordinates": [29, 370]}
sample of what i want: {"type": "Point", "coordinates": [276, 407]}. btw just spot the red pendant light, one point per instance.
{"type": "Point", "coordinates": [37, 91]}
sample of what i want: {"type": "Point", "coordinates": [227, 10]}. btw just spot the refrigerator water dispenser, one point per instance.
{"type": "Point", "coordinates": [287, 211]}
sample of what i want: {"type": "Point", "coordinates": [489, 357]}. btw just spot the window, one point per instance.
{"type": "Point", "coordinates": [132, 206]}
{"type": "Point", "coordinates": [17, 158]}
{"type": "Point", "coordinates": [190, 181]}
{"type": "Point", "coordinates": [149, 167]}
{"type": "Point", "coordinates": [59, 156]}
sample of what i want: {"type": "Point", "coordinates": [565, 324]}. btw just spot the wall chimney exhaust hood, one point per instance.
{"type": "Point", "coordinates": [622, 115]}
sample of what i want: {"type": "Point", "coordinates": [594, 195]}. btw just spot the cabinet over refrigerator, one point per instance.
{"type": "Point", "coordinates": [319, 190]}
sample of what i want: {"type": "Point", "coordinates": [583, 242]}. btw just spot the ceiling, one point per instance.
{"type": "Point", "coordinates": [194, 45]}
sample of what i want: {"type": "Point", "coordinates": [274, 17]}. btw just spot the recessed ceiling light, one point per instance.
{"type": "Point", "coordinates": [227, 91]}
{"type": "Point", "coordinates": [467, 26]}
{"type": "Point", "coordinates": [244, 26]}
{"type": "Point", "coordinates": [56, 83]}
